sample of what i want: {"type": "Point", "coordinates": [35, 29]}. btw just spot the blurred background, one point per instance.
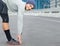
{"type": "Point", "coordinates": [41, 4]}
{"type": "Point", "coordinates": [40, 28]}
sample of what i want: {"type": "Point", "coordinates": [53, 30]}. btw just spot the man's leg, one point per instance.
{"type": "Point", "coordinates": [4, 16]}
{"type": "Point", "coordinates": [7, 30]}
{"type": "Point", "coordinates": [5, 25]}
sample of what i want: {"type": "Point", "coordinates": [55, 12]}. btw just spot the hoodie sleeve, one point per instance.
{"type": "Point", "coordinates": [31, 2]}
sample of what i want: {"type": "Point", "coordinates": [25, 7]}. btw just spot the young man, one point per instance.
{"type": "Point", "coordinates": [19, 6]}
{"type": "Point", "coordinates": [5, 23]}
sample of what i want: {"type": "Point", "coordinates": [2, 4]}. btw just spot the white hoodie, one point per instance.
{"type": "Point", "coordinates": [13, 5]}
{"type": "Point", "coordinates": [17, 6]}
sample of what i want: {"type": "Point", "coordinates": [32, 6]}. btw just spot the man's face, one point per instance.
{"type": "Point", "coordinates": [29, 6]}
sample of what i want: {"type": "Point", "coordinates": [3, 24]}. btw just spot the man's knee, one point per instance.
{"type": "Point", "coordinates": [5, 21]}
{"type": "Point", "coordinates": [5, 18]}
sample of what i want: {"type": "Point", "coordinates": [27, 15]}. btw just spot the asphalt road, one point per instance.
{"type": "Point", "coordinates": [37, 31]}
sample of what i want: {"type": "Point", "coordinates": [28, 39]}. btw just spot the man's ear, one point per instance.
{"type": "Point", "coordinates": [25, 7]}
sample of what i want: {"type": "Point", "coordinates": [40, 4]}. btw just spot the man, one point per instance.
{"type": "Point", "coordinates": [19, 6]}
{"type": "Point", "coordinates": [5, 23]}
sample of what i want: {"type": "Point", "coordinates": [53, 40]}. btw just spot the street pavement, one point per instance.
{"type": "Point", "coordinates": [37, 31]}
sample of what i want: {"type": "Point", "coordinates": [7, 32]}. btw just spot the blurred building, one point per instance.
{"type": "Point", "coordinates": [58, 3]}
{"type": "Point", "coordinates": [42, 4]}
{"type": "Point", "coordinates": [54, 3]}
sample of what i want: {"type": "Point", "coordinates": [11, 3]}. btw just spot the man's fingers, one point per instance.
{"type": "Point", "coordinates": [19, 39]}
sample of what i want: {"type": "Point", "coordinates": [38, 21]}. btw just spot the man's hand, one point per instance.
{"type": "Point", "coordinates": [29, 6]}
{"type": "Point", "coordinates": [19, 37]}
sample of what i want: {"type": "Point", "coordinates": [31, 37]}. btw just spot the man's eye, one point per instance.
{"type": "Point", "coordinates": [31, 6]}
